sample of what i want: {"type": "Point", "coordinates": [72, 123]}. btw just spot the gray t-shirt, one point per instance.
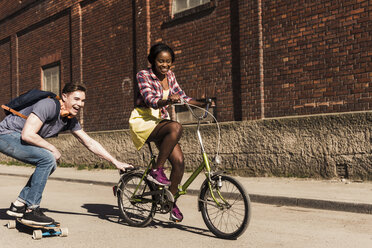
{"type": "Point", "coordinates": [45, 109]}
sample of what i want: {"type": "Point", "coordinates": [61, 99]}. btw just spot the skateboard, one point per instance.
{"type": "Point", "coordinates": [40, 231]}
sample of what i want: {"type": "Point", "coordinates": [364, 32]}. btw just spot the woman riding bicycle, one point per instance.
{"type": "Point", "coordinates": [150, 122]}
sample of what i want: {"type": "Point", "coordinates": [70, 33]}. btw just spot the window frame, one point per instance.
{"type": "Point", "coordinates": [187, 15]}
{"type": "Point", "coordinates": [55, 65]}
{"type": "Point", "coordinates": [174, 4]}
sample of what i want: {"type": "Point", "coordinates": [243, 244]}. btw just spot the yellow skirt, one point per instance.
{"type": "Point", "coordinates": [142, 122]}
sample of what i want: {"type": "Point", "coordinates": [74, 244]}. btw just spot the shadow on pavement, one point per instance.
{"type": "Point", "coordinates": [103, 211]}
{"type": "Point", "coordinates": [19, 227]}
{"type": "Point", "coordinates": [190, 229]}
{"type": "Point", "coordinates": [4, 216]}
{"type": "Point", "coordinates": [111, 213]}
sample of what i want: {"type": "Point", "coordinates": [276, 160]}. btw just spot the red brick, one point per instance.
{"type": "Point", "coordinates": [311, 50]}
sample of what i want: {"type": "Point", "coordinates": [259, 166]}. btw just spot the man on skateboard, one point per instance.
{"type": "Point", "coordinates": [25, 140]}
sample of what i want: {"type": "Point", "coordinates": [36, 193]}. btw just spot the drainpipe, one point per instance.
{"type": "Point", "coordinates": [261, 60]}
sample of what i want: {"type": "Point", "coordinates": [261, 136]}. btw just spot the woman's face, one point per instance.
{"type": "Point", "coordinates": [163, 62]}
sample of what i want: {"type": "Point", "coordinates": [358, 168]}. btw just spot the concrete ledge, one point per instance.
{"type": "Point", "coordinates": [318, 146]}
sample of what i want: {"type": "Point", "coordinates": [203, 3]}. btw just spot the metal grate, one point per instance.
{"type": "Point", "coordinates": [342, 171]}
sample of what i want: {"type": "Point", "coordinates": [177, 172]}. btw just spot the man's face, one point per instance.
{"type": "Point", "coordinates": [74, 101]}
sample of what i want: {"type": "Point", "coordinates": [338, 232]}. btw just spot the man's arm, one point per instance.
{"type": "Point", "coordinates": [98, 149]}
{"type": "Point", "coordinates": [30, 135]}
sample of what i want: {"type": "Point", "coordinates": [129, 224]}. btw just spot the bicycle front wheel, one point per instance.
{"type": "Point", "coordinates": [136, 206]}
{"type": "Point", "coordinates": [230, 217]}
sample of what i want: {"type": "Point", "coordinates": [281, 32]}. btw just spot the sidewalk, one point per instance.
{"type": "Point", "coordinates": [322, 194]}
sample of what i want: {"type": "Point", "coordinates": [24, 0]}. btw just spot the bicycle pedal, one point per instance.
{"type": "Point", "coordinates": [115, 190]}
{"type": "Point", "coordinates": [174, 220]}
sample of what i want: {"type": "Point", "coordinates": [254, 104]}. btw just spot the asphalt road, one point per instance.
{"type": "Point", "coordinates": [90, 213]}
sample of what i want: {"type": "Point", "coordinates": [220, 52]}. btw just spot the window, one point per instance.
{"type": "Point", "coordinates": [51, 80]}
{"type": "Point", "coordinates": [181, 5]}
{"type": "Point", "coordinates": [184, 116]}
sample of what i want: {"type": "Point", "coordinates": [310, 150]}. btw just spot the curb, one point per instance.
{"type": "Point", "coordinates": [362, 208]}
{"type": "Point", "coordinates": [65, 179]}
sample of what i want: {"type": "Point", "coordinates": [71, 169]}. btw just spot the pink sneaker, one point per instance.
{"type": "Point", "coordinates": [158, 176]}
{"type": "Point", "coordinates": [176, 214]}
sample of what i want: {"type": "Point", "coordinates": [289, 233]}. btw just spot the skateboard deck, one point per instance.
{"type": "Point", "coordinates": [40, 231]}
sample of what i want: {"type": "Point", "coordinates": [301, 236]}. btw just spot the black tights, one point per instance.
{"type": "Point", "coordinates": [166, 136]}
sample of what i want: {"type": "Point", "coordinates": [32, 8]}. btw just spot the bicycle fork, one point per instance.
{"type": "Point", "coordinates": [208, 173]}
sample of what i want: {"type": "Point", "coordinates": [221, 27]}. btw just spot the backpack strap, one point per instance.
{"type": "Point", "coordinates": [13, 111]}
{"type": "Point", "coordinates": [58, 108]}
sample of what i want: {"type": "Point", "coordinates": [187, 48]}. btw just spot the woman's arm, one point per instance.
{"type": "Point", "coordinates": [145, 86]}
{"type": "Point", "coordinates": [177, 93]}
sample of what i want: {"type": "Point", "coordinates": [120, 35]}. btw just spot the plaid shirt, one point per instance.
{"type": "Point", "coordinates": [151, 90]}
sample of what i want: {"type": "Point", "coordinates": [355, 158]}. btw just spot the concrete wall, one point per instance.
{"type": "Point", "coordinates": [323, 146]}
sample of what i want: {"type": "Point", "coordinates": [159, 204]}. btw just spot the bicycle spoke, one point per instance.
{"type": "Point", "coordinates": [229, 218]}
{"type": "Point", "coordinates": [135, 209]}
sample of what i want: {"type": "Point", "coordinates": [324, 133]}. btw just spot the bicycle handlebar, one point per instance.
{"type": "Point", "coordinates": [209, 103]}
{"type": "Point", "coordinates": [204, 115]}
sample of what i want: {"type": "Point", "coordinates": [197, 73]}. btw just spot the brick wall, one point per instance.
{"type": "Point", "coordinates": [10, 7]}
{"type": "Point", "coordinates": [107, 63]}
{"type": "Point", "coordinates": [317, 56]}
{"type": "Point", "coordinates": [201, 40]}
{"type": "Point", "coordinates": [313, 57]}
{"type": "Point", "coordinates": [35, 52]}
{"type": "Point", "coordinates": [5, 70]}
{"type": "Point", "coordinates": [249, 60]}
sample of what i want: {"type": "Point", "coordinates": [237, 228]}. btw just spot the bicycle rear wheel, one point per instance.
{"type": "Point", "coordinates": [231, 218]}
{"type": "Point", "coordinates": [135, 208]}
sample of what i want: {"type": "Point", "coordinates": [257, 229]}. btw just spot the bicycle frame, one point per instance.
{"type": "Point", "coordinates": [204, 165]}
{"type": "Point", "coordinates": [223, 202]}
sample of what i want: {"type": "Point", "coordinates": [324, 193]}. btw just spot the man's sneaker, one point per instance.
{"type": "Point", "coordinates": [158, 176]}
{"type": "Point", "coordinates": [36, 217]}
{"type": "Point", "coordinates": [16, 211]}
{"type": "Point", "coordinates": [176, 214]}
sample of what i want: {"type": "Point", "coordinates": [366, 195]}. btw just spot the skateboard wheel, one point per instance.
{"type": "Point", "coordinates": [64, 232]}
{"type": "Point", "coordinates": [11, 224]}
{"type": "Point", "coordinates": [37, 234]}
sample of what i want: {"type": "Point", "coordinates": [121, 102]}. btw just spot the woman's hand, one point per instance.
{"type": "Point", "coordinates": [174, 99]}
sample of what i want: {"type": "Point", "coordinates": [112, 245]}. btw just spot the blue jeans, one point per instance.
{"type": "Point", "coordinates": [12, 145]}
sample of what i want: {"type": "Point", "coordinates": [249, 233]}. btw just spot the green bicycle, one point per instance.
{"type": "Point", "coordinates": [223, 202]}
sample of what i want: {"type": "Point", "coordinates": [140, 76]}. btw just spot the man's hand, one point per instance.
{"type": "Point", "coordinates": [56, 153]}
{"type": "Point", "coordinates": [122, 166]}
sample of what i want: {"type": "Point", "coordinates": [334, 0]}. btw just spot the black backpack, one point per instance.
{"type": "Point", "coordinates": [29, 98]}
